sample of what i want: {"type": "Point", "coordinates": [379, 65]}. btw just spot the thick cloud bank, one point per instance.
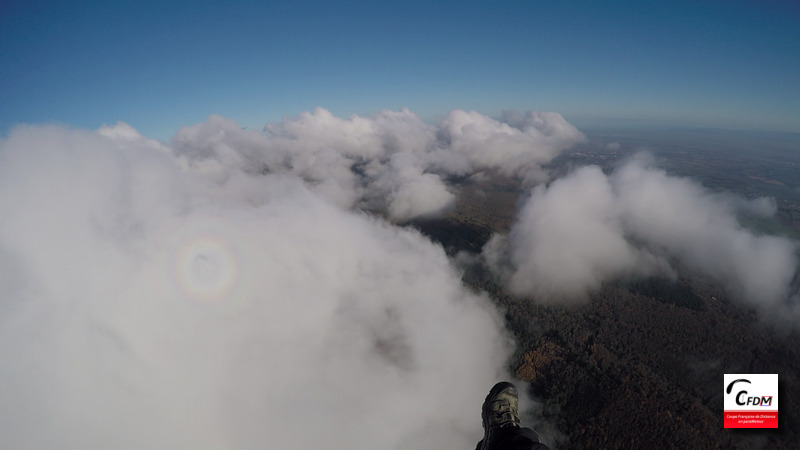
{"type": "Point", "coordinates": [587, 228]}
{"type": "Point", "coordinates": [391, 162]}
{"type": "Point", "coordinates": [214, 300]}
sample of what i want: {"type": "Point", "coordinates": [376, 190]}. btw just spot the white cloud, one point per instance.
{"type": "Point", "coordinates": [391, 162]}
{"type": "Point", "coordinates": [588, 228]}
{"type": "Point", "coordinates": [569, 239]}
{"type": "Point", "coordinates": [681, 218]}
{"type": "Point", "coordinates": [470, 141]}
{"type": "Point", "coordinates": [410, 192]}
{"type": "Point", "coordinates": [193, 301]}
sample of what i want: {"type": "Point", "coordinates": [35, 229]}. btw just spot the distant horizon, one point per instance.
{"type": "Point", "coordinates": [159, 66]}
{"type": "Point", "coordinates": [586, 124]}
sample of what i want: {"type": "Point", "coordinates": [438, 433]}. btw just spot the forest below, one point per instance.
{"type": "Point", "coordinates": [640, 364]}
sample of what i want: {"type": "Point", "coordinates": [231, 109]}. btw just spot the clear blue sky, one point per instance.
{"type": "Point", "coordinates": [158, 65]}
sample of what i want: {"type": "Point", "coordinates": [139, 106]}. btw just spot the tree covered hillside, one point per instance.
{"type": "Point", "coordinates": [639, 364]}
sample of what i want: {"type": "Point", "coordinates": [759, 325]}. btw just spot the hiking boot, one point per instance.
{"type": "Point", "coordinates": [500, 409]}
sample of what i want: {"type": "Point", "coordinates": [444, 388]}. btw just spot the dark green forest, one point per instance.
{"type": "Point", "coordinates": [641, 363]}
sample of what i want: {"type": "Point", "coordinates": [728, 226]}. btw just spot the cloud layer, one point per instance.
{"type": "Point", "coordinates": [211, 296]}
{"type": "Point", "coordinates": [235, 288]}
{"type": "Point", "coordinates": [589, 227]}
{"type": "Point", "coordinates": [392, 162]}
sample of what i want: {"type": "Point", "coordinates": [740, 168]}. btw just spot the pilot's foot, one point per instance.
{"type": "Point", "coordinates": [500, 410]}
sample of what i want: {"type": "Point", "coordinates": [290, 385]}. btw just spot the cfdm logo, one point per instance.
{"type": "Point", "coordinates": [740, 397]}
{"type": "Point", "coordinates": [751, 400]}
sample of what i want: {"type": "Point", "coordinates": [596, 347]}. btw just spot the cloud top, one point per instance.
{"type": "Point", "coordinates": [391, 162]}
{"type": "Point", "coordinates": [589, 227]}
{"type": "Point", "coordinates": [208, 295]}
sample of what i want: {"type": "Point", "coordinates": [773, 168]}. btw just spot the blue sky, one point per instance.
{"type": "Point", "coordinates": [159, 65]}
